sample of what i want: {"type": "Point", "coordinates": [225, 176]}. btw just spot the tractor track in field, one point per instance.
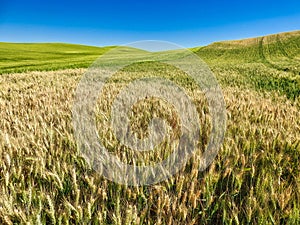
{"type": "Point", "coordinates": [263, 57]}
{"type": "Point", "coordinates": [270, 64]}
{"type": "Point", "coordinates": [281, 48]}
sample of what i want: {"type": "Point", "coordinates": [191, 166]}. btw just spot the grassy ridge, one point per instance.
{"type": "Point", "coordinates": [24, 57]}
{"type": "Point", "coordinates": [270, 63]}
{"type": "Point", "coordinates": [280, 51]}
{"type": "Point", "coordinates": [279, 47]}
{"type": "Point", "coordinates": [17, 57]}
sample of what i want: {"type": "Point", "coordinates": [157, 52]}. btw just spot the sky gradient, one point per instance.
{"type": "Point", "coordinates": [115, 22]}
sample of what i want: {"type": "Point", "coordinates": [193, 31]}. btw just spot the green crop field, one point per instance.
{"type": "Point", "coordinates": [22, 57]}
{"type": "Point", "coordinates": [255, 179]}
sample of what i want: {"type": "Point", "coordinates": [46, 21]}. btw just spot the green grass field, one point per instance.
{"type": "Point", "coordinates": [255, 178]}
{"type": "Point", "coordinates": [269, 63]}
{"type": "Point", "coordinates": [22, 57]}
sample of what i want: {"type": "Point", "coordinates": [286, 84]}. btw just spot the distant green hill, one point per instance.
{"type": "Point", "coordinates": [270, 63]}
{"type": "Point", "coordinates": [19, 57]}
{"type": "Point", "coordinates": [280, 51]}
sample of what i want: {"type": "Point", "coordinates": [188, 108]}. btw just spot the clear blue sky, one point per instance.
{"type": "Point", "coordinates": [114, 22]}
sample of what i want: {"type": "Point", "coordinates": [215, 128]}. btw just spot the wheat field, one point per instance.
{"type": "Point", "coordinates": [45, 180]}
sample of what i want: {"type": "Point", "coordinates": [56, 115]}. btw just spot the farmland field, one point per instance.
{"type": "Point", "coordinates": [255, 179]}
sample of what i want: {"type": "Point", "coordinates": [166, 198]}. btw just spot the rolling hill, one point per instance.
{"type": "Point", "coordinates": [279, 51]}
{"type": "Point", "coordinates": [22, 57]}
{"type": "Point", "coordinates": [270, 63]}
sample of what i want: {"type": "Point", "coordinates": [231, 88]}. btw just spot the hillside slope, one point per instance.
{"type": "Point", "coordinates": [19, 57]}
{"type": "Point", "coordinates": [281, 51]}
{"type": "Point", "coordinates": [270, 63]}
